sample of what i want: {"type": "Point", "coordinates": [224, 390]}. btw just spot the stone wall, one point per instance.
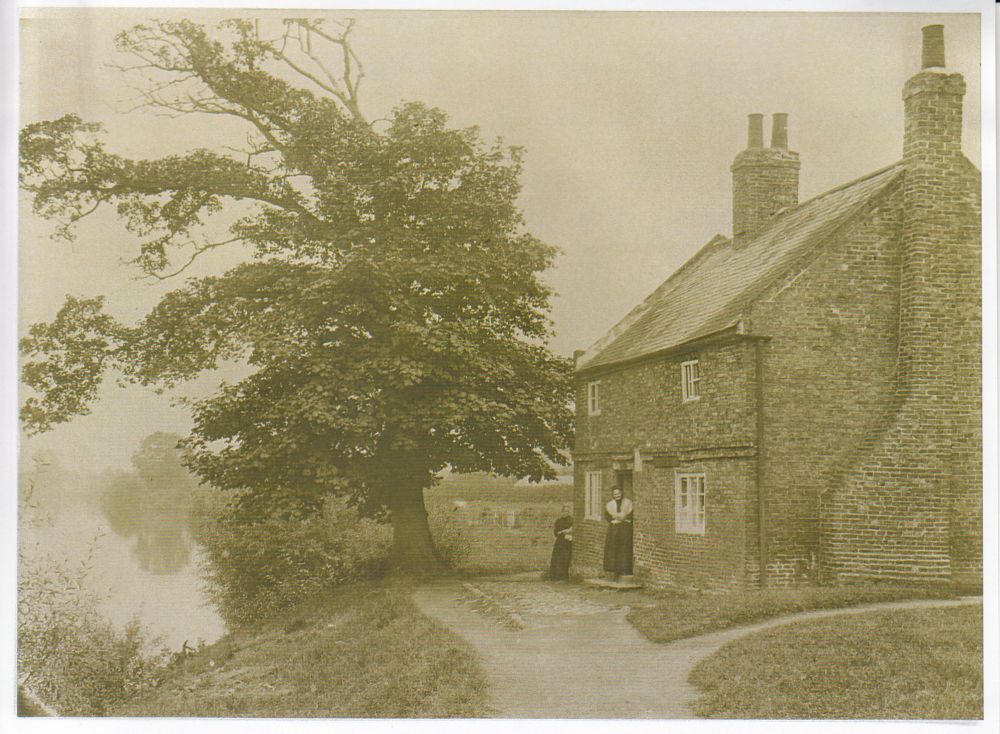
{"type": "Point", "coordinates": [493, 536]}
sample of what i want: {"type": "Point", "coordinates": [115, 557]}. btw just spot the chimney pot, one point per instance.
{"type": "Point", "coordinates": [755, 130]}
{"type": "Point", "coordinates": [779, 130]}
{"type": "Point", "coordinates": [932, 55]}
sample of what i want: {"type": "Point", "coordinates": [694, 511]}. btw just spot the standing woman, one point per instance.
{"type": "Point", "coordinates": [562, 550]}
{"type": "Point", "coordinates": [618, 542]}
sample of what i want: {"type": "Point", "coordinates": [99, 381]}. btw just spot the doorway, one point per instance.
{"type": "Point", "coordinates": [618, 547]}
{"type": "Point", "coordinates": [623, 480]}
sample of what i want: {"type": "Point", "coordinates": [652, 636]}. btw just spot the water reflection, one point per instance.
{"type": "Point", "coordinates": [157, 515]}
{"type": "Point", "coordinates": [134, 531]}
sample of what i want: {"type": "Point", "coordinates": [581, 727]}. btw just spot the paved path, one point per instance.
{"type": "Point", "coordinates": [585, 660]}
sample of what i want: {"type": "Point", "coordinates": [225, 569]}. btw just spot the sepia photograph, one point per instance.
{"type": "Point", "coordinates": [478, 364]}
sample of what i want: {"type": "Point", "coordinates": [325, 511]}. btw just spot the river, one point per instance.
{"type": "Point", "coordinates": [143, 563]}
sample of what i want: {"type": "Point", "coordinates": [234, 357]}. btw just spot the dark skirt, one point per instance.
{"type": "Point", "coordinates": [618, 548]}
{"type": "Point", "coordinates": [559, 565]}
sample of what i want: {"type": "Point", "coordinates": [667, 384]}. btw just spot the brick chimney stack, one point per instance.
{"type": "Point", "coordinates": [933, 106]}
{"type": "Point", "coordinates": [922, 470]}
{"type": "Point", "coordinates": [765, 180]}
{"type": "Point", "coordinates": [932, 155]}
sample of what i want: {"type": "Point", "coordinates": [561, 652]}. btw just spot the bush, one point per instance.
{"type": "Point", "coordinates": [258, 569]}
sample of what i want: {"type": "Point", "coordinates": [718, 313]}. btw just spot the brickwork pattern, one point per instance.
{"type": "Point", "coordinates": [830, 363]}
{"type": "Point", "coordinates": [714, 560]}
{"type": "Point", "coordinates": [765, 181]}
{"type": "Point", "coordinates": [641, 407]}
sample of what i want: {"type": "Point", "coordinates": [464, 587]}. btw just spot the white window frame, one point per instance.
{"type": "Point", "coordinates": [592, 499]}
{"type": "Point", "coordinates": [690, 381]}
{"type": "Point", "coordinates": [594, 397]}
{"type": "Point", "coordinates": [690, 500]}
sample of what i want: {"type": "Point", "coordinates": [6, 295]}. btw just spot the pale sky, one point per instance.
{"type": "Point", "coordinates": [629, 120]}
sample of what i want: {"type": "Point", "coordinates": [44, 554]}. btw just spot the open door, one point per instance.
{"type": "Point", "coordinates": [623, 479]}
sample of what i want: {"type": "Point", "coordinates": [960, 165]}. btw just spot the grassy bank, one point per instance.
{"type": "Point", "coordinates": [362, 651]}
{"type": "Point", "coordinates": [676, 616]}
{"type": "Point", "coordinates": [904, 664]}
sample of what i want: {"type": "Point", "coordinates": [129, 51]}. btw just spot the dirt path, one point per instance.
{"type": "Point", "coordinates": [549, 653]}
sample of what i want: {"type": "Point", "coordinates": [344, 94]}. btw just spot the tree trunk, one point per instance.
{"type": "Point", "coordinates": [413, 552]}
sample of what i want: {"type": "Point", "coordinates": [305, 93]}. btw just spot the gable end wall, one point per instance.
{"type": "Point", "coordinates": [828, 370]}
{"type": "Point", "coordinates": [911, 505]}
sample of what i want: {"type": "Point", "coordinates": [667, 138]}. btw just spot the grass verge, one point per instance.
{"type": "Point", "coordinates": [674, 617]}
{"type": "Point", "coordinates": [903, 664]}
{"type": "Point", "coordinates": [361, 651]}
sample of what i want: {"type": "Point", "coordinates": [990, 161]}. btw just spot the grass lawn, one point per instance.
{"type": "Point", "coordinates": [363, 651]}
{"type": "Point", "coordinates": [904, 664]}
{"type": "Point", "coordinates": [676, 616]}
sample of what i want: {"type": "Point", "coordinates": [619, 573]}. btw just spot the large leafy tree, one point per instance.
{"type": "Point", "coordinates": [390, 305]}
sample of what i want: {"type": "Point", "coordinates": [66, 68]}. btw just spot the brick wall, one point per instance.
{"type": "Point", "coordinates": [828, 367]}
{"type": "Point", "coordinates": [716, 560]}
{"type": "Point", "coordinates": [641, 407]}
{"type": "Point", "coordinates": [870, 458]}
{"type": "Point", "coordinates": [911, 507]}
{"type": "Point", "coordinates": [765, 180]}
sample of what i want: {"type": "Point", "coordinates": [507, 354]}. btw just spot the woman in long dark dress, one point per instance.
{"type": "Point", "coordinates": [618, 541]}
{"type": "Point", "coordinates": [562, 549]}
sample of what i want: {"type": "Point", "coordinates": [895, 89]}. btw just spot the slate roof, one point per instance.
{"type": "Point", "coordinates": [710, 291]}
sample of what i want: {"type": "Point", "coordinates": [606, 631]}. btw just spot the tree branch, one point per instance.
{"type": "Point", "coordinates": [198, 250]}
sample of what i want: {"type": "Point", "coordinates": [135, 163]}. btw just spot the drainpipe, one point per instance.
{"type": "Point", "coordinates": [761, 493]}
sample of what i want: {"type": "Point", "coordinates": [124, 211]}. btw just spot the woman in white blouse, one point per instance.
{"type": "Point", "coordinates": [618, 542]}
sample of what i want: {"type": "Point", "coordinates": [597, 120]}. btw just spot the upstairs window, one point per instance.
{"type": "Point", "coordinates": [592, 507]}
{"type": "Point", "coordinates": [594, 398]}
{"type": "Point", "coordinates": [689, 504]}
{"type": "Point", "coordinates": [690, 380]}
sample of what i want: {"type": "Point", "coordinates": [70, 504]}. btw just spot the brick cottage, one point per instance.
{"type": "Point", "coordinates": [802, 402]}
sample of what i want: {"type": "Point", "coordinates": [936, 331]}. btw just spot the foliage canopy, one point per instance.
{"type": "Point", "coordinates": [391, 305]}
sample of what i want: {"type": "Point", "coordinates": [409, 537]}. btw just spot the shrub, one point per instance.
{"type": "Point", "coordinates": [257, 569]}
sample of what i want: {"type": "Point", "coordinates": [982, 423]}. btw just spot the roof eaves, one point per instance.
{"type": "Point", "coordinates": [728, 334]}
